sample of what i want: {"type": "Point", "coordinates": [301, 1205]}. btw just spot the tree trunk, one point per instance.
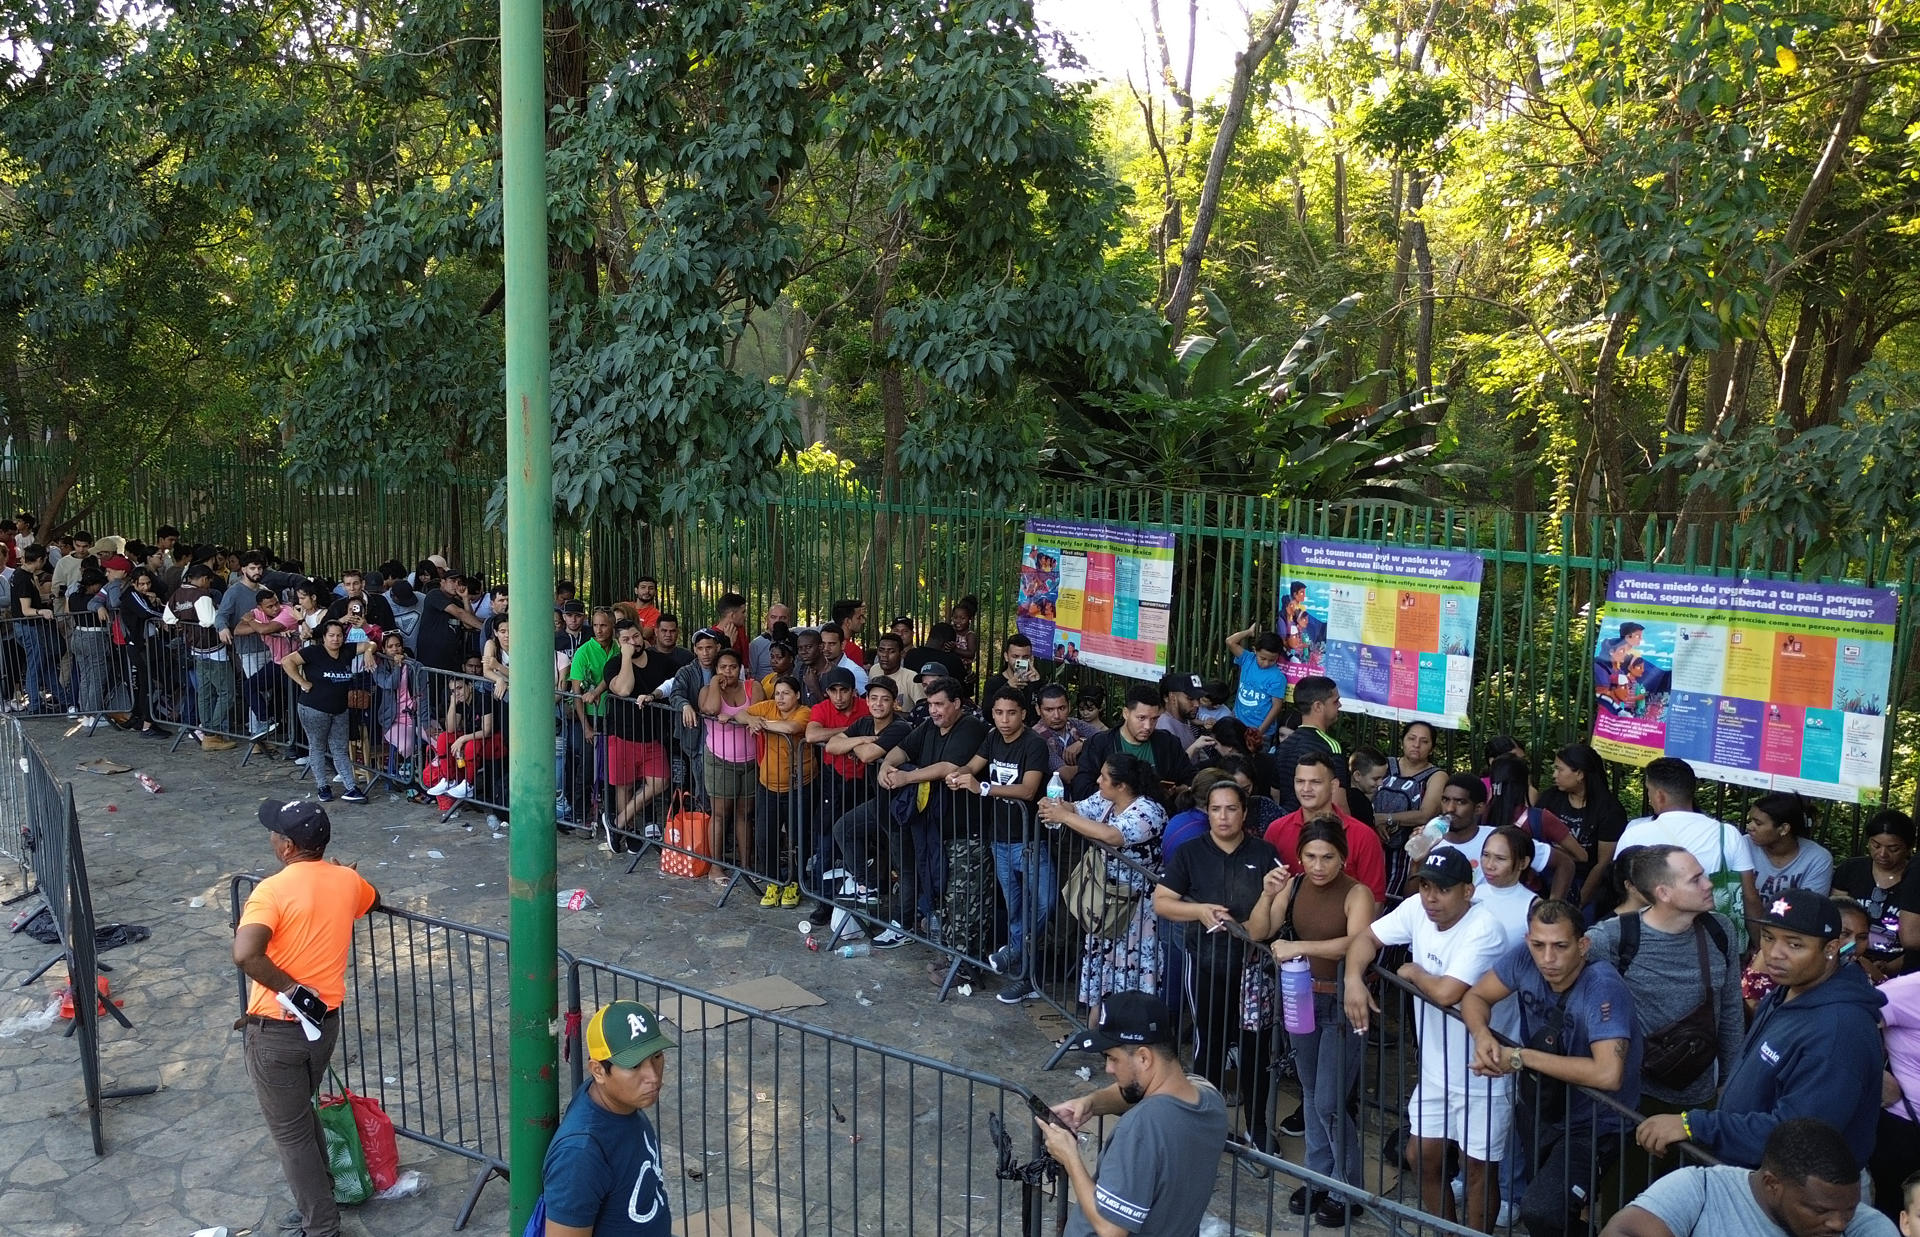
{"type": "Point", "coordinates": [1726, 417]}
{"type": "Point", "coordinates": [1792, 396]}
{"type": "Point", "coordinates": [1423, 263]}
{"type": "Point", "coordinates": [1245, 65]}
{"type": "Point", "coordinates": [1676, 423]}
{"type": "Point", "coordinates": [1340, 199]}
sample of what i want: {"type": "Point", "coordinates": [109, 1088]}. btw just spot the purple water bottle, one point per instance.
{"type": "Point", "coordinates": [1296, 995]}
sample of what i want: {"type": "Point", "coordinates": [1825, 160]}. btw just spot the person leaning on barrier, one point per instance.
{"type": "Point", "coordinates": [293, 942]}
{"type": "Point", "coordinates": [1678, 959]}
{"type": "Point", "coordinates": [1813, 1050]}
{"type": "Point", "coordinates": [1222, 876]}
{"type": "Point", "coordinates": [1007, 774]}
{"type": "Point", "coordinates": [1123, 817]}
{"type": "Point", "coordinates": [1453, 942]}
{"type": "Point", "coordinates": [603, 1175]}
{"type": "Point", "coordinates": [1807, 1185]}
{"type": "Point", "coordinates": [1577, 1033]}
{"type": "Point", "coordinates": [1156, 1174]}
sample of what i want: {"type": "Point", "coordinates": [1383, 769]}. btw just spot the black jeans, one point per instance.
{"type": "Point", "coordinates": [1568, 1165]}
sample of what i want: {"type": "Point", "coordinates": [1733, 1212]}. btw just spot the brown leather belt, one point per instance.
{"type": "Point", "coordinates": [1325, 987]}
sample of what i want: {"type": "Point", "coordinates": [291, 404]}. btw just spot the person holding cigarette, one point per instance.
{"type": "Point", "coordinates": [292, 943]}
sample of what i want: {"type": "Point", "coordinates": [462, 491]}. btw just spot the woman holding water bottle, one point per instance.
{"type": "Point", "coordinates": [1213, 884]}
{"type": "Point", "coordinates": [1317, 912]}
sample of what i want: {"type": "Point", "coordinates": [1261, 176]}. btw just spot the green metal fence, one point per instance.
{"type": "Point", "coordinates": [830, 537]}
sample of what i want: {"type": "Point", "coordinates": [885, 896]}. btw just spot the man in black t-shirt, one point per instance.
{"type": "Point", "coordinates": [1007, 775]}
{"type": "Point", "coordinates": [945, 743]}
{"type": "Point", "coordinates": [1318, 699]}
{"type": "Point", "coordinates": [445, 619]}
{"type": "Point", "coordinates": [859, 749]}
{"type": "Point", "coordinates": [636, 732]}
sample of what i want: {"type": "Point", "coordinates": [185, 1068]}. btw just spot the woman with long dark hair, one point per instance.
{"type": "Point", "coordinates": [1584, 802]}
{"type": "Point", "coordinates": [1510, 802]}
{"type": "Point", "coordinates": [142, 615]}
{"type": "Point", "coordinates": [1874, 879]}
{"type": "Point", "coordinates": [1322, 909]}
{"type": "Point", "coordinates": [1210, 879]}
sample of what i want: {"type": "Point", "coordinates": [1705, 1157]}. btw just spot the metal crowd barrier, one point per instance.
{"type": "Point", "coordinates": [1599, 1185]}
{"type": "Point", "coordinates": [425, 1031]}
{"type": "Point", "coordinates": [43, 835]}
{"type": "Point", "coordinates": [807, 1130]}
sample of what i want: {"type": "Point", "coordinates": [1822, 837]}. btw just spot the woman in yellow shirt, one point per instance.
{"type": "Point", "coordinates": [788, 767]}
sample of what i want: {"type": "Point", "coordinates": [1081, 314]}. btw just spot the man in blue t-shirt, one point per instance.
{"type": "Point", "coordinates": [602, 1176]}
{"type": "Point", "coordinates": [1262, 694]}
{"type": "Point", "coordinates": [1577, 1032]}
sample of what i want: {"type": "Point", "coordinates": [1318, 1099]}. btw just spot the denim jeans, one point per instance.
{"type": "Point", "coordinates": [1329, 1063]}
{"type": "Point", "coordinates": [326, 737]}
{"type": "Point", "coordinates": [90, 667]}
{"type": "Point", "coordinates": [36, 643]}
{"type": "Point", "coordinates": [1021, 878]}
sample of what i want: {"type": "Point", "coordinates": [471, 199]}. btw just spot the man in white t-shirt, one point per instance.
{"type": "Point", "coordinates": [1718, 846]}
{"type": "Point", "coordinates": [1453, 943]}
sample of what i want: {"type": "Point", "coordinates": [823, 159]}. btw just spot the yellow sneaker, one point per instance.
{"type": "Point", "coordinates": [790, 897]}
{"type": "Point", "coordinates": [771, 898]}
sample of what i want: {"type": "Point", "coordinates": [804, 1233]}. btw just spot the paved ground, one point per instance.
{"type": "Point", "coordinates": [194, 1155]}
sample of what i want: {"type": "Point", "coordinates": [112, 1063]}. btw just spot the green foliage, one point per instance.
{"type": "Point", "coordinates": [1243, 417]}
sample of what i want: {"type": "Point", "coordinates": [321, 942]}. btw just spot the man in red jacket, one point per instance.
{"type": "Point", "coordinates": [1313, 783]}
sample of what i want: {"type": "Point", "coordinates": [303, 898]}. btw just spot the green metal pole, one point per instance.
{"type": "Point", "coordinates": [530, 862]}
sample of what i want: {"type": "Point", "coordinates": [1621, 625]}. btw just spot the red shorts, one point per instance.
{"type": "Point", "coordinates": [628, 761]}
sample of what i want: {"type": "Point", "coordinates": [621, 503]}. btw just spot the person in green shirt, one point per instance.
{"type": "Point", "coordinates": [586, 678]}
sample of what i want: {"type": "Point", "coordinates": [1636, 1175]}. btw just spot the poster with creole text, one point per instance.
{"type": "Point", "coordinates": [1097, 595]}
{"type": "Point", "coordinates": [1772, 684]}
{"type": "Point", "coordinates": [1393, 626]}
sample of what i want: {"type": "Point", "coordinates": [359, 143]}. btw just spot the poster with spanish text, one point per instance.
{"type": "Point", "coordinates": [1097, 595]}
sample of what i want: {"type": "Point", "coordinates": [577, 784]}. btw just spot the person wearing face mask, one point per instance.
{"type": "Point", "coordinates": [1813, 1049]}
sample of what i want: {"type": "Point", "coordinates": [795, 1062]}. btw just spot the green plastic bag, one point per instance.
{"type": "Point", "coordinates": [352, 1184]}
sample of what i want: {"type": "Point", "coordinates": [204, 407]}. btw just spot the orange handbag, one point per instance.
{"type": "Point", "coordinates": [685, 849]}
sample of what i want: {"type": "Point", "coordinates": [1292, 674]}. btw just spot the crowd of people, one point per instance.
{"type": "Point", "coordinates": [1588, 992]}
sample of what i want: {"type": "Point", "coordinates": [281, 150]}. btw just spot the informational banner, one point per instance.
{"type": "Point", "coordinates": [1394, 627]}
{"type": "Point", "coordinates": [1764, 683]}
{"type": "Point", "coordinates": [1097, 595]}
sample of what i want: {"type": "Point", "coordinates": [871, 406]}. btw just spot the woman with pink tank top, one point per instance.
{"type": "Point", "coordinates": [731, 758]}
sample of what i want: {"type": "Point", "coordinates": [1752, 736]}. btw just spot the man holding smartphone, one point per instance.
{"type": "Point", "coordinates": [1157, 1172]}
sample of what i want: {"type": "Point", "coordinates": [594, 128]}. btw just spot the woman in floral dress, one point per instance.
{"type": "Point", "coordinates": [1123, 815]}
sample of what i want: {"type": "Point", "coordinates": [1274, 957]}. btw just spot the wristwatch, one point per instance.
{"type": "Point", "coordinates": [1513, 1062]}
{"type": "Point", "coordinates": [983, 790]}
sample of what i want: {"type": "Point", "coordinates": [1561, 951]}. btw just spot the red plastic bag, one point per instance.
{"type": "Point", "coordinates": [687, 830]}
{"type": "Point", "coordinates": [376, 1140]}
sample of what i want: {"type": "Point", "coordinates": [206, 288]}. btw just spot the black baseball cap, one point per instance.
{"type": "Point", "coordinates": [1182, 682]}
{"type": "Point", "coordinates": [303, 823]}
{"type": "Point", "coordinates": [1127, 1019]}
{"type": "Point", "coordinates": [935, 670]}
{"type": "Point", "coordinates": [573, 605]}
{"type": "Point", "coordinates": [1800, 911]}
{"type": "Point", "coordinates": [839, 676]}
{"type": "Point", "coordinates": [1446, 867]}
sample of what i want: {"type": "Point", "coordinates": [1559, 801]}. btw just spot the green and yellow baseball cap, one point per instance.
{"type": "Point", "coordinates": [625, 1033]}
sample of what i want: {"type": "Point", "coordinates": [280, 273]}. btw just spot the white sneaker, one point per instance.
{"type": "Point", "coordinates": [302, 760]}
{"type": "Point", "coordinates": [1508, 1216]}
{"type": "Point", "coordinates": [891, 937]}
{"type": "Point", "coordinates": [439, 788]}
{"type": "Point", "coordinates": [460, 790]}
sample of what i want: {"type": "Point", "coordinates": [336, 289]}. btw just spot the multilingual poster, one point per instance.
{"type": "Point", "coordinates": [1766, 683]}
{"type": "Point", "coordinates": [1097, 595]}
{"type": "Point", "coordinates": [1394, 627]}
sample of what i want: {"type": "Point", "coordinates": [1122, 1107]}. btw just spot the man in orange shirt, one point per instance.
{"type": "Point", "coordinates": [292, 942]}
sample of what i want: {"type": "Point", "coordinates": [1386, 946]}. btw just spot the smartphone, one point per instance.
{"type": "Point", "coordinates": [1039, 1108]}
{"type": "Point", "coordinates": [1023, 664]}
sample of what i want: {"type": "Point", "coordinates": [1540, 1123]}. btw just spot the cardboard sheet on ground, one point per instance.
{"type": "Point", "coordinates": [770, 992]}
{"type": "Point", "coordinates": [100, 764]}
{"type": "Point", "coordinates": [735, 1221]}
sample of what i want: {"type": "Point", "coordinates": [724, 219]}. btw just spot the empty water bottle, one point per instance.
{"type": "Point", "coordinates": [1296, 995]}
{"type": "Point", "coordinates": [859, 949]}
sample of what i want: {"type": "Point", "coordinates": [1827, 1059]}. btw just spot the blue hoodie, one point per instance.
{"type": "Point", "coordinates": [1817, 1056]}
